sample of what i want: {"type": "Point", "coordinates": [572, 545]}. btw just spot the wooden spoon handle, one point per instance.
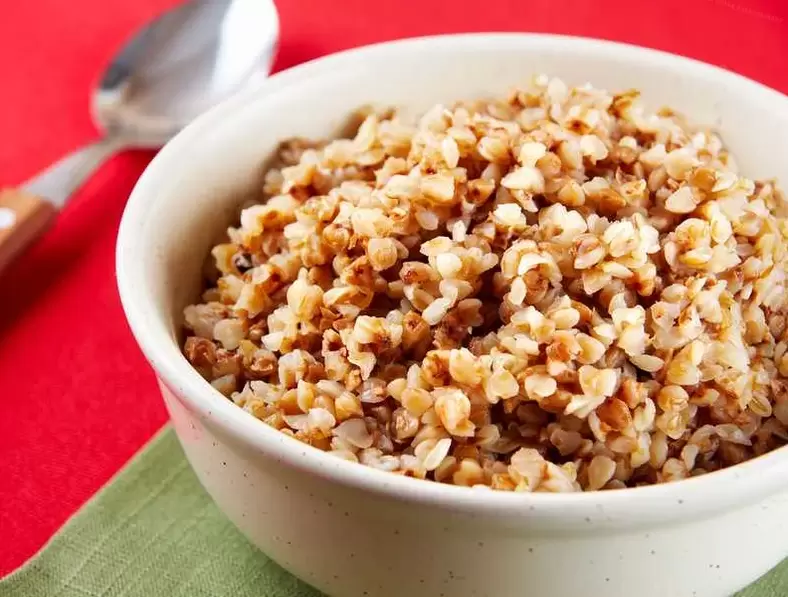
{"type": "Point", "coordinates": [23, 218]}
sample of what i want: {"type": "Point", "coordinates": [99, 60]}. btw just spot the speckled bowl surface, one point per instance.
{"type": "Point", "coordinates": [353, 531]}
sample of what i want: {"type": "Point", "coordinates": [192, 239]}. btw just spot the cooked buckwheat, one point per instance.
{"type": "Point", "coordinates": [557, 291]}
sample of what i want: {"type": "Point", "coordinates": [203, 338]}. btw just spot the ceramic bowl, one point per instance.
{"type": "Point", "coordinates": [352, 531]}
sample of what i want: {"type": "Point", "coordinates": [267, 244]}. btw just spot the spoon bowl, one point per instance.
{"type": "Point", "coordinates": [183, 63]}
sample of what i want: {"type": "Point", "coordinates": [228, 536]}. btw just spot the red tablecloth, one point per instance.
{"type": "Point", "coordinates": [76, 397]}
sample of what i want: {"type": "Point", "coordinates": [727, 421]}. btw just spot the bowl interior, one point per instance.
{"type": "Point", "coordinates": [192, 189]}
{"type": "Point", "coordinates": [221, 163]}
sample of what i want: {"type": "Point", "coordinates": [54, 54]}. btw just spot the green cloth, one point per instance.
{"type": "Point", "coordinates": [153, 532]}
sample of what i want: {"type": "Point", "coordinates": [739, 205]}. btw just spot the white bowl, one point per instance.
{"type": "Point", "coordinates": [350, 530]}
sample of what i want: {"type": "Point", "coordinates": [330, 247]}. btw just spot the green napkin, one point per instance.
{"type": "Point", "coordinates": [153, 532]}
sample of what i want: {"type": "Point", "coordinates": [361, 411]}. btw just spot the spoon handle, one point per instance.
{"type": "Point", "coordinates": [58, 182]}
{"type": "Point", "coordinates": [23, 218]}
{"type": "Point", "coordinates": [27, 211]}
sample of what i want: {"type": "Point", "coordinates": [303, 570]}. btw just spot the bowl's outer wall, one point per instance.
{"type": "Point", "coordinates": [346, 541]}
{"type": "Point", "coordinates": [349, 545]}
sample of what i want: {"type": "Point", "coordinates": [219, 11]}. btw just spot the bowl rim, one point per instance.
{"type": "Point", "coordinates": [744, 483]}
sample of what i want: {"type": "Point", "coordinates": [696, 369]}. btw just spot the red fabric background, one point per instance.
{"type": "Point", "coordinates": [76, 397]}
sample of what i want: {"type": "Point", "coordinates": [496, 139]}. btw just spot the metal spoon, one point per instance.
{"type": "Point", "coordinates": [184, 62]}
